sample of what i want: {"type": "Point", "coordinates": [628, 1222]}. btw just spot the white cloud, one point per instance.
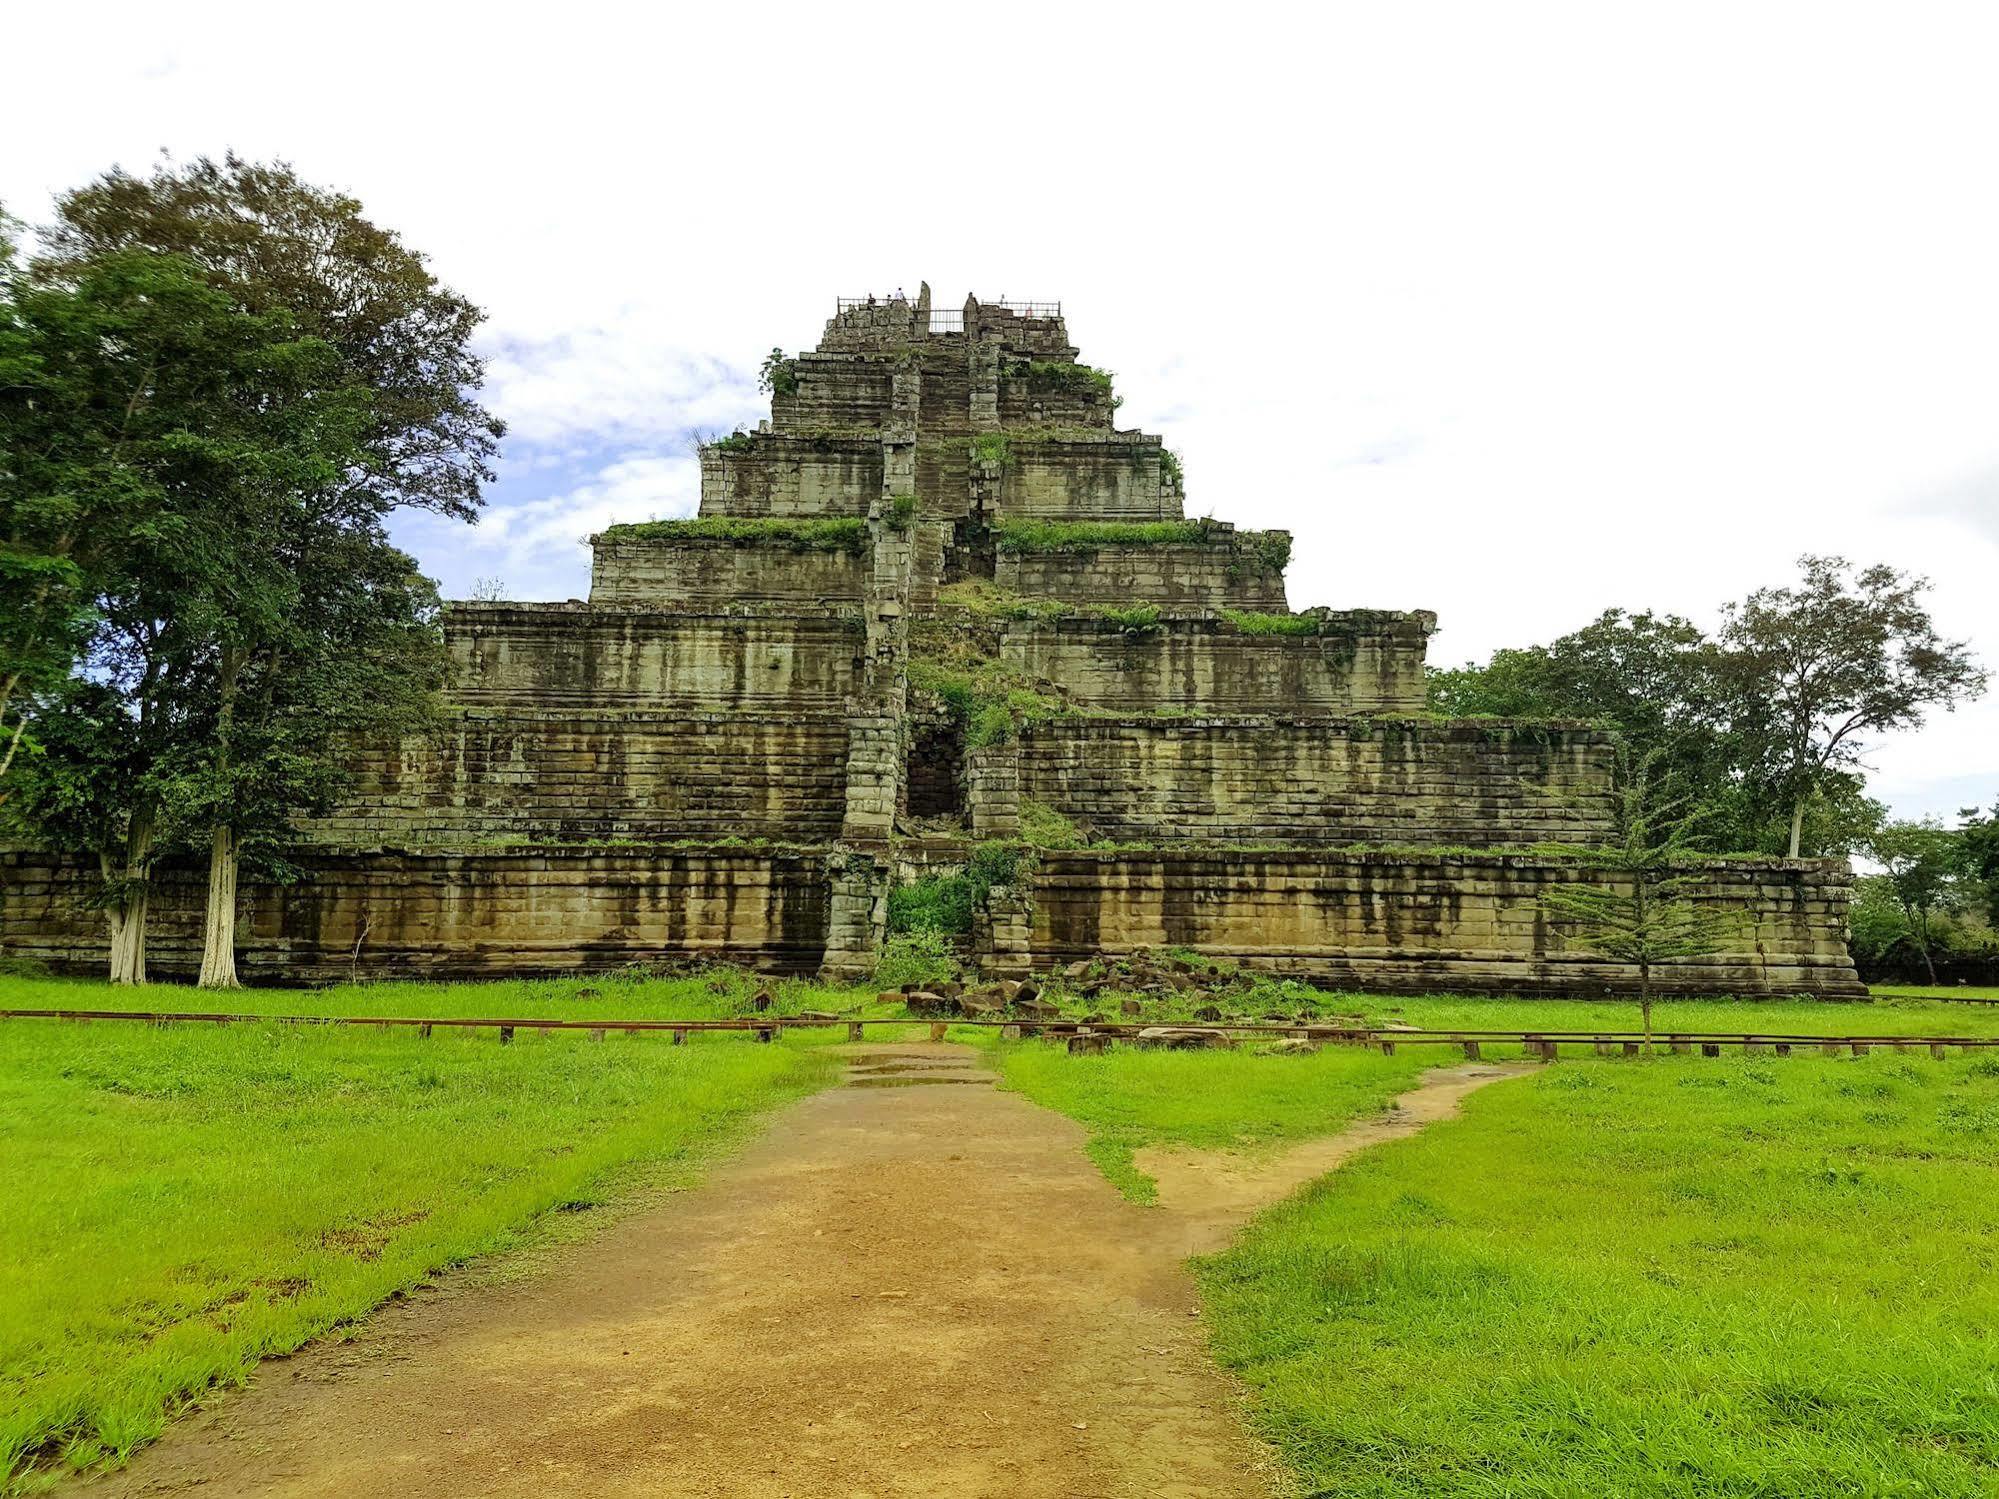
{"type": "Point", "coordinates": [630, 489]}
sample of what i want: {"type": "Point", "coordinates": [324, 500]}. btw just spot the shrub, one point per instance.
{"type": "Point", "coordinates": [992, 450]}
{"type": "Point", "coordinates": [1044, 827]}
{"type": "Point", "coordinates": [779, 375]}
{"type": "Point", "coordinates": [925, 957]}
{"type": "Point", "coordinates": [935, 903]}
{"type": "Point", "coordinates": [1249, 622]}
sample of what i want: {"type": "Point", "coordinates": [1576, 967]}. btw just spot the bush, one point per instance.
{"type": "Point", "coordinates": [936, 903]}
{"type": "Point", "coordinates": [779, 375]}
{"type": "Point", "coordinates": [925, 958]}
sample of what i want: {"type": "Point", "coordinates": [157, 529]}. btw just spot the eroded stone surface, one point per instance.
{"type": "Point", "coordinates": [614, 778]}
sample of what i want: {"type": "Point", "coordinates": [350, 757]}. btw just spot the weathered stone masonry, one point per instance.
{"type": "Point", "coordinates": [938, 597]}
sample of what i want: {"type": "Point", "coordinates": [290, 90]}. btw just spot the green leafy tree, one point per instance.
{"type": "Point", "coordinates": [1981, 854]}
{"type": "Point", "coordinates": [1646, 911]}
{"type": "Point", "coordinates": [104, 374]}
{"type": "Point", "coordinates": [1817, 668]}
{"type": "Point", "coordinates": [1924, 866]}
{"type": "Point", "coordinates": [154, 404]}
{"type": "Point", "coordinates": [273, 608]}
{"type": "Point", "coordinates": [1654, 678]}
{"type": "Point", "coordinates": [345, 643]}
{"type": "Point", "coordinates": [80, 785]}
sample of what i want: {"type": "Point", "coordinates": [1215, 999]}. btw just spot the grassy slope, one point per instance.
{"type": "Point", "coordinates": [1677, 1277]}
{"type": "Point", "coordinates": [213, 1195]}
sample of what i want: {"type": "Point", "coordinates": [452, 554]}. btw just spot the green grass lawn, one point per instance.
{"type": "Point", "coordinates": [180, 1201]}
{"type": "Point", "coordinates": [1212, 1100]}
{"type": "Point", "coordinates": [1728, 1277]}
{"type": "Point", "coordinates": [1680, 1275]}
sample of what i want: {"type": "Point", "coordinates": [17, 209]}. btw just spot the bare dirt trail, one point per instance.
{"type": "Point", "coordinates": [1210, 1194]}
{"type": "Point", "coordinates": [898, 1290]}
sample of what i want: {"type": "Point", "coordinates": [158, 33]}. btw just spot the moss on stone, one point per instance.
{"type": "Point", "coordinates": [849, 535]}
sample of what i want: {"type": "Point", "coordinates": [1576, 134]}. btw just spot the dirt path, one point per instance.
{"type": "Point", "coordinates": [899, 1290]}
{"type": "Point", "coordinates": [1210, 1194]}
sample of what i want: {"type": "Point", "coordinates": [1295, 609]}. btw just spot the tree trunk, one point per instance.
{"type": "Point", "coordinates": [1797, 825]}
{"type": "Point", "coordinates": [128, 930]}
{"type": "Point", "coordinates": [1645, 1001]}
{"type": "Point", "coordinates": [218, 947]}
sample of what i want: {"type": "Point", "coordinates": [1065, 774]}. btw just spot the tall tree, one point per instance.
{"type": "Point", "coordinates": [1646, 911]}
{"type": "Point", "coordinates": [150, 404]}
{"type": "Point", "coordinates": [294, 617]}
{"type": "Point", "coordinates": [81, 786]}
{"type": "Point", "coordinates": [1981, 854]}
{"type": "Point", "coordinates": [1656, 679]}
{"type": "Point", "coordinates": [1818, 667]}
{"type": "Point", "coordinates": [1924, 864]}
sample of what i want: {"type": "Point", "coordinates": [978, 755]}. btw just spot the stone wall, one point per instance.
{"type": "Point", "coordinates": [1115, 477]}
{"type": "Point", "coordinates": [556, 655]}
{"type": "Point", "coordinates": [1362, 662]}
{"type": "Point", "coordinates": [573, 775]}
{"type": "Point", "coordinates": [777, 475]}
{"type": "Point", "coordinates": [1408, 924]}
{"type": "Point", "coordinates": [1319, 780]}
{"type": "Point", "coordinates": [721, 570]}
{"type": "Point", "coordinates": [835, 393]}
{"type": "Point", "coordinates": [1224, 573]}
{"type": "Point", "coordinates": [378, 914]}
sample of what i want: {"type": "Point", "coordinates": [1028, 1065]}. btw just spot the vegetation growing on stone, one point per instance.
{"type": "Point", "coordinates": [1063, 375]}
{"type": "Point", "coordinates": [1253, 622]}
{"type": "Point", "coordinates": [1269, 550]}
{"type": "Point", "coordinates": [733, 442]}
{"type": "Point", "coordinates": [992, 450]}
{"type": "Point", "coordinates": [946, 902]}
{"type": "Point", "coordinates": [1044, 827]}
{"type": "Point", "coordinates": [902, 512]}
{"type": "Point", "coordinates": [1090, 536]}
{"type": "Point", "coordinates": [842, 534]}
{"type": "Point", "coordinates": [779, 374]}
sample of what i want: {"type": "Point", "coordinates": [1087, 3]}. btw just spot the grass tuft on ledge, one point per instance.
{"type": "Point", "coordinates": [843, 534]}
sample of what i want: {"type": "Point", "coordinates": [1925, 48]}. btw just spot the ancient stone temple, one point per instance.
{"type": "Point", "coordinates": [940, 608]}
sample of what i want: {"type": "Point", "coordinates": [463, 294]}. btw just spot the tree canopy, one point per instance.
{"type": "Point", "coordinates": [1765, 721]}
{"type": "Point", "coordinates": [225, 379]}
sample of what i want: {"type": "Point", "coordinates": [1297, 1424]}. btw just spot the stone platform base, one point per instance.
{"type": "Point", "coordinates": [1385, 922]}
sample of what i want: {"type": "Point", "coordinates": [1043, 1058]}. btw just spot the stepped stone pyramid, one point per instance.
{"type": "Point", "coordinates": [939, 604]}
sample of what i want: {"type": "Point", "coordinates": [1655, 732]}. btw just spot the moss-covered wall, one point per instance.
{"type": "Point", "coordinates": [381, 913]}
{"type": "Point", "coordinates": [1358, 663]}
{"type": "Point", "coordinates": [571, 775]}
{"type": "Point", "coordinates": [1407, 923]}
{"type": "Point", "coordinates": [1293, 780]}
{"type": "Point", "coordinates": [553, 655]}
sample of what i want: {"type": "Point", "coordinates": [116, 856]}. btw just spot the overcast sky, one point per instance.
{"type": "Point", "coordinates": [1514, 312]}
